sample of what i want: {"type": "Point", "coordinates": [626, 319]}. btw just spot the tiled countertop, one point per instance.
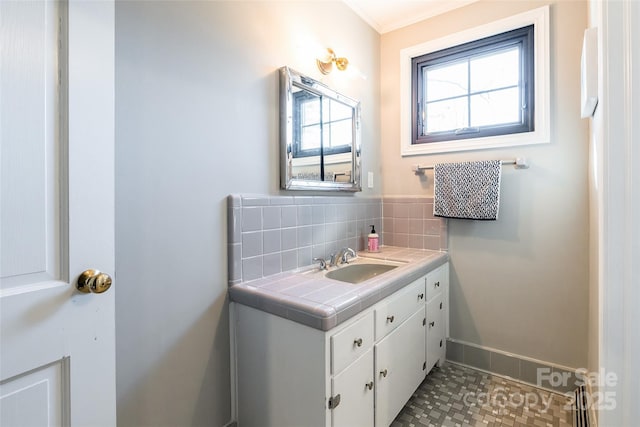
{"type": "Point", "coordinates": [322, 303]}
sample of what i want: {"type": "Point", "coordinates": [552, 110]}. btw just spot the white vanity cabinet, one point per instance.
{"type": "Point", "coordinates": [360, 373]}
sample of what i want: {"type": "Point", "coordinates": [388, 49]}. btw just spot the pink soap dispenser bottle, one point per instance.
{"type": "Point", "coordinates": [373, 240]}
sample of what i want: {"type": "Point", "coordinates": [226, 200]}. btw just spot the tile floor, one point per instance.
{"type": "Point", "coordinates": [454, 395]}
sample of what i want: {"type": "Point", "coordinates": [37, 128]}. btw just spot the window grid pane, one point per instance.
{"type": "Point", "coordinates": [447, 115]}
{"type": "Point", "coordinates": [489, 83]}
{"type": "Point", "coordinates": [497, 107]}
{"type": "Point", "coordinates": [310, 114]}
{"type": "Point", "coordinates": [341, 133]}
{"type": "Point", "coordinates": [494, 70]}
{"type": "Point", "coordinates": [492, 78]}
{"type": "Point", "coordinates": [445, 81]}
{"type": "Point", "coordinates": [325, 125]}
{"type": "Point", "coordinates": [337, 130]}
{"type": "Point", "coordinates": [310, 137]}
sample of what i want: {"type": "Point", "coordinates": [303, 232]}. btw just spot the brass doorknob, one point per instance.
{"type": "Point", "coordinates": [93, 281]}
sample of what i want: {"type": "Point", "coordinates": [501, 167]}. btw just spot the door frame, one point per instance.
{"type": "Point", "coordinates": [618, 204]}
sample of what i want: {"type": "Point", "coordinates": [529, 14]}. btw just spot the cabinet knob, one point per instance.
{"type": "Point", "coordinates": [383, 372]}
{"type": "Point", "coordinates": [390, 319]}
{"type": "Point", "coordinates": [369, 385]}
{"type": "Point", "coordinates": [420, 296]}
{"type": "Point", "coordinates": [437, 284]}
{"type": "Point", "coordinates": [358, 342]}
{"type": "Point", "coordinates": [432, 324]}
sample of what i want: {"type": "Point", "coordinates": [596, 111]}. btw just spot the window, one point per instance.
{"type": "Point", "coordinates": [477, 89]}
{"type": "Point", "coordinates": [484, 87]}
{"type": "Point", "coordinates": [325, 126]}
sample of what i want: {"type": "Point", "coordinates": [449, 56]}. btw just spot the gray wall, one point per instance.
{"type": "Point", "coordinates": [519, 284]}
{"type": "Point", "coordinates": [196, 120]}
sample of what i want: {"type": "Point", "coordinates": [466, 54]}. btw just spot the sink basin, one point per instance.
{"type": "Point", "coordinates": [357, 273]}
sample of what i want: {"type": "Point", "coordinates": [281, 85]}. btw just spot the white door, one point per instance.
{"type": "Point", "coordinates": [57, 361]}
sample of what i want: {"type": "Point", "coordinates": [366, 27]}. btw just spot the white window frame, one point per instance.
{"type": "Point", "coordinates": [541, 135]}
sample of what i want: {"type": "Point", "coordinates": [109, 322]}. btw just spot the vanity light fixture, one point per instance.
{"type": "Point", "coordinates": [325, 65]}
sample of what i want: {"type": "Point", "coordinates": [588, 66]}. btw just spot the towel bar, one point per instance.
{"type": "Point", "coordinates": [519, 163]}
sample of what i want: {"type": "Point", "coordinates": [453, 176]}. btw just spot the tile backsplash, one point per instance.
{"type": "Point", "coordinates": [271, 234]}
{"type": "Point", "coordinates": [408, 222]}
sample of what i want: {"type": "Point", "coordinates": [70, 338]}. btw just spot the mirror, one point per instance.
{"type": "Point", "coordinates": [319, 136]}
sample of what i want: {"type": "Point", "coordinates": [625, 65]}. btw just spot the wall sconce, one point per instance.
{"type": "Point", "coordinates": [325, 65]}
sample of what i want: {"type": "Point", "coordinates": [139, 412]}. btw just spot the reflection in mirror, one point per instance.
{"type": "Point", "coordinates": [320, 136]}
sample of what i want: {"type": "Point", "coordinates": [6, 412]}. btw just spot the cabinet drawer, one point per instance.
{"type": "Point", "coordinates": [436, 281]}
{"type": "Point", "coordinates": [398, 307]}
{"type": "Point", "coordinates": [435, 331]}
{"type": "Point", "coordinates": [351, 343]}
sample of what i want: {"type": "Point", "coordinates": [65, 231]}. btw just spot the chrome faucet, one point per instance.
{"type": "Point", "coordinates": [342, 257]}
{"type": "Point", "coordinates": [344, 254]}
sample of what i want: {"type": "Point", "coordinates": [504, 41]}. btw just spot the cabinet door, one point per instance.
{"type": "Point", "coordinates": [355, 387]}
{"type": "Point", "coordinates": [399, 367]}
{"type": "Point", "coordinates": [435, 331]}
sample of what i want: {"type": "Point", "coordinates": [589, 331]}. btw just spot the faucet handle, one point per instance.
{"type": "Point", "coordinates": [323, 263]}
{"type": "Point", "coordinates": [333, 259]}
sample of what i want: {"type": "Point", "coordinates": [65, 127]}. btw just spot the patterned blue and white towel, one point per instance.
{"type": "Point", "coordinates": [469, 190]}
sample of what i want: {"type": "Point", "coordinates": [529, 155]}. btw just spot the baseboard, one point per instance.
{"type": "Point", "coordinates": [506, 377]}
{"type": "Point", "coordinates": [545, 375]}
{"type": "Point", "coordinates": [593, 415]}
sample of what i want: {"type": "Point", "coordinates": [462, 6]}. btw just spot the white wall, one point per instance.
{"type": "Point", "coordinates": [196, 120]}
{"type": "Point", "coordinates": [519, 284]}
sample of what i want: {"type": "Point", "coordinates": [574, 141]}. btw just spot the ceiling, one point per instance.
{"type": "Point", "coordinates": [389, 15]}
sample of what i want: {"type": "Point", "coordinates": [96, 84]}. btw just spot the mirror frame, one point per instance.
{"type": "Point", "coordinates": [288, 79]}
